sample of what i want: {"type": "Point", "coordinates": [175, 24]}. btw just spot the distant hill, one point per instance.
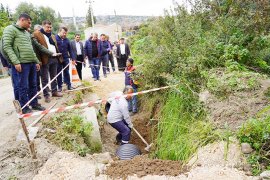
{"type": "Point", "coordinates": [124, 21]}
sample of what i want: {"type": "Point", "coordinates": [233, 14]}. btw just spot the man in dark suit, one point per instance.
{"type": "Point", "coordinates": [63, 44]}
{"type": "Point", "coordinates": [122, 54]}
{"type": "Point", "coordinates": [78, 50]}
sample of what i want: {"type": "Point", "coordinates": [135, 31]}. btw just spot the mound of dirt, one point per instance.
{"type": "Point", "coordinates": [237, 108]}
{"type": "Point", "coordinates": [142, 166]}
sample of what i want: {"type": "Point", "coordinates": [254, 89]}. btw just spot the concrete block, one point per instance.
{"type": "Point", "coordinates": [91, 116]}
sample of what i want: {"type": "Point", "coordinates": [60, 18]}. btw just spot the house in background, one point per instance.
{"type": "Point", "coordinates": [114, 31]}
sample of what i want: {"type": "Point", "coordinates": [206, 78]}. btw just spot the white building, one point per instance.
{"type": "Point", "coordinates": [114, 31]}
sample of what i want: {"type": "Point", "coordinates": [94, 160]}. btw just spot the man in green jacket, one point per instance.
{"type": "Point", "coordinates": [17, 45]}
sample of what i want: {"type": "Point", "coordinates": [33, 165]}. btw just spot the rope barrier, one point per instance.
{"type": "Point", "coordinates": [44, 87]}
{"type": "Point", "coordinates": [91, 103]}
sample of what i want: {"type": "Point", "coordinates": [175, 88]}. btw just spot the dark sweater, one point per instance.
{"type": "Point", "coordinates": [94, 49]}
{"type": "Point", "coordinates": [88, 48]}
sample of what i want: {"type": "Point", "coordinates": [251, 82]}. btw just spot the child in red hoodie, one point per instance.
{"type": "Point", "coordinates": [132, 103]}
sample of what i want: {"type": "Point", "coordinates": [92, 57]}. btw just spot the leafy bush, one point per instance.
{"type": "Point", "coordinates": [233, 78]}
{"type": "Point", "coordinates": [256, 132]}
{"type": "Point", "coordinates": [72, 133]}
{"type": "Point", "coordinates": [212, 46]}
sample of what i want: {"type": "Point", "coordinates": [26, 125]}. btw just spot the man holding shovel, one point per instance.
{"type": "Point", "coordinates": [118, 114]}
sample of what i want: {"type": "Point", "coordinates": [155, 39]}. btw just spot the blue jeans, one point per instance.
{"type": "Point", "coordinates": [104, 60]}
{"type": "Point", "coordinates": [28, 84]}
{"type": "Point", "coordinates": [132, 103]}
{"type": "Point", "coordinates": [123, 129]}
{"type": "Point", "coordinates": [15, 82]}
{"type": "Point", "coordinates": [66, 74]}
{"type": "Point", "coordinates": [95, 66]}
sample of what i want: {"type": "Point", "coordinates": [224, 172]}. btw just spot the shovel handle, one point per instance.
{"type": "Point", "coordinates": [140, 136]}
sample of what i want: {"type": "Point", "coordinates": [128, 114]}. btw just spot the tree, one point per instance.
{"type": "Point", "coordinates": [39, 14]}
{"type": "Point", "coordinates": [88, 17]}
{"type": "Point", "coordinates": [4, 19]}
{"type": "Point", "coordinates": [28, 8]}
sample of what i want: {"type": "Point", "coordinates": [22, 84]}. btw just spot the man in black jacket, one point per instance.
{"type": "Point", "coordinates": [122, 54]}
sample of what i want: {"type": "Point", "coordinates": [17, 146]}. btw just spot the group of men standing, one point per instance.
{"type": "Point", "coordinates": [27, 54]}
{"type": "Point", "coordinates": [99, 53]}
{"type": "Point", "coordinates": [44, 55]}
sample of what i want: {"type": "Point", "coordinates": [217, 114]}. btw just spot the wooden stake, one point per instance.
{"type": "Point", "coordinates": [31, 143]}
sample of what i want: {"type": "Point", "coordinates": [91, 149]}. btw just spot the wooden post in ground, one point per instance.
{"type": "Point", "coordinates": [31, 143]}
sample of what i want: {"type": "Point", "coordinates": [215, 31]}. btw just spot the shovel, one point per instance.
{"type": "Point", "coordinates": [148, 146]}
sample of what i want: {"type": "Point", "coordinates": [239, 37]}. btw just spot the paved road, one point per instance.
{"type": "Point", "coordinates": [9, 124]}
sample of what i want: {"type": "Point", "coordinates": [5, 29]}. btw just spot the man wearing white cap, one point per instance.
{"type": "Point", "coordinates": [118, 114]}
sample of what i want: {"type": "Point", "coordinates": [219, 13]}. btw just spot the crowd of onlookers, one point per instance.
{"type": "Point", "coordinates": [40, 56]}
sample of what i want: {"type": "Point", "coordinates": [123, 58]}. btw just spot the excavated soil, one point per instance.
{"type": "Point", "coordinates": [142, 124]}
{"type": "Point", "coordinates": [142, 166]}
{"type": "Point", "coordinates": [237, 108]}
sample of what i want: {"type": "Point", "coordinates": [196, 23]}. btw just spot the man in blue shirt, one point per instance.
{"type": "Point", "coordinates": [64, 48]}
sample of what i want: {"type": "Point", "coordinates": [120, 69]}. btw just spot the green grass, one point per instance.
{"type": "Point", "coordinates": [182, 128]}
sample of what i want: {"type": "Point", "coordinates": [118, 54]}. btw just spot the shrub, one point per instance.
{"type": "Point", "coordinates": [72, 133]}
{"type": "Point", "coordinates": [256, 132]}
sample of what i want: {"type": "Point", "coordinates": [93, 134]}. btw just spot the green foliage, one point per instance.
{"type": "Point", "coordinates": [72, 133]}
{"type": "Point", "coordinates": [13, 177]}
{"type": "Point", "coordinates": [233, 78]}
{"type": "Point", "coordinates": [256, 132]}
{"type": "Point", "coordinates": [38, 14]}
{"type": "Point", "coordinates": [71, 35]}
{"type": "Point", "coordinates": [214, 46]}
{"type": "Point", "coordinates": [77, 98]}
{"type": "Point", "coordinates": [182, 129]}
{"type": "Point", "coordinates": [89, 18]}
{"type": "Point", "coordinates": [4, 19]}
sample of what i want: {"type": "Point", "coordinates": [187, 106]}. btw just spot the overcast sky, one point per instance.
{"type": "Point", "coordinates": [101, 7]}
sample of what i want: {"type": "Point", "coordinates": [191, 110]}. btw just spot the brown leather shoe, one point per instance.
{"type": "Point", "coordinates": [57, 94]}
{"type": "Point", "coordinates": [47, 99]}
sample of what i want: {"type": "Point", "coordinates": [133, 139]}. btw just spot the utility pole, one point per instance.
{"type": "Point", "coordinates": [117, 32]}
{"type": "Point", "coordinates": [92, 13]}
{"type": "Point", "coordinates": [74, 20]}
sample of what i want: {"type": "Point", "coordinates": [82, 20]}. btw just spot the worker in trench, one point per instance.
{"type": "Point", "coordinates": [118, 115]}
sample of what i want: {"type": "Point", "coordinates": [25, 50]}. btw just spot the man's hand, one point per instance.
{"type": "Point", "coordinates": [18, 67]}
{"type": "Point", "coordinates": [56, 54]}
{"type": "Point", "coordinates": [38, 67]}
{"type": "Point", "coordinates": [130, 125]}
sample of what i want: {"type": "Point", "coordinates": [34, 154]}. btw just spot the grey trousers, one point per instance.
{"type": "Point", "coordinates": [47, 70]}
